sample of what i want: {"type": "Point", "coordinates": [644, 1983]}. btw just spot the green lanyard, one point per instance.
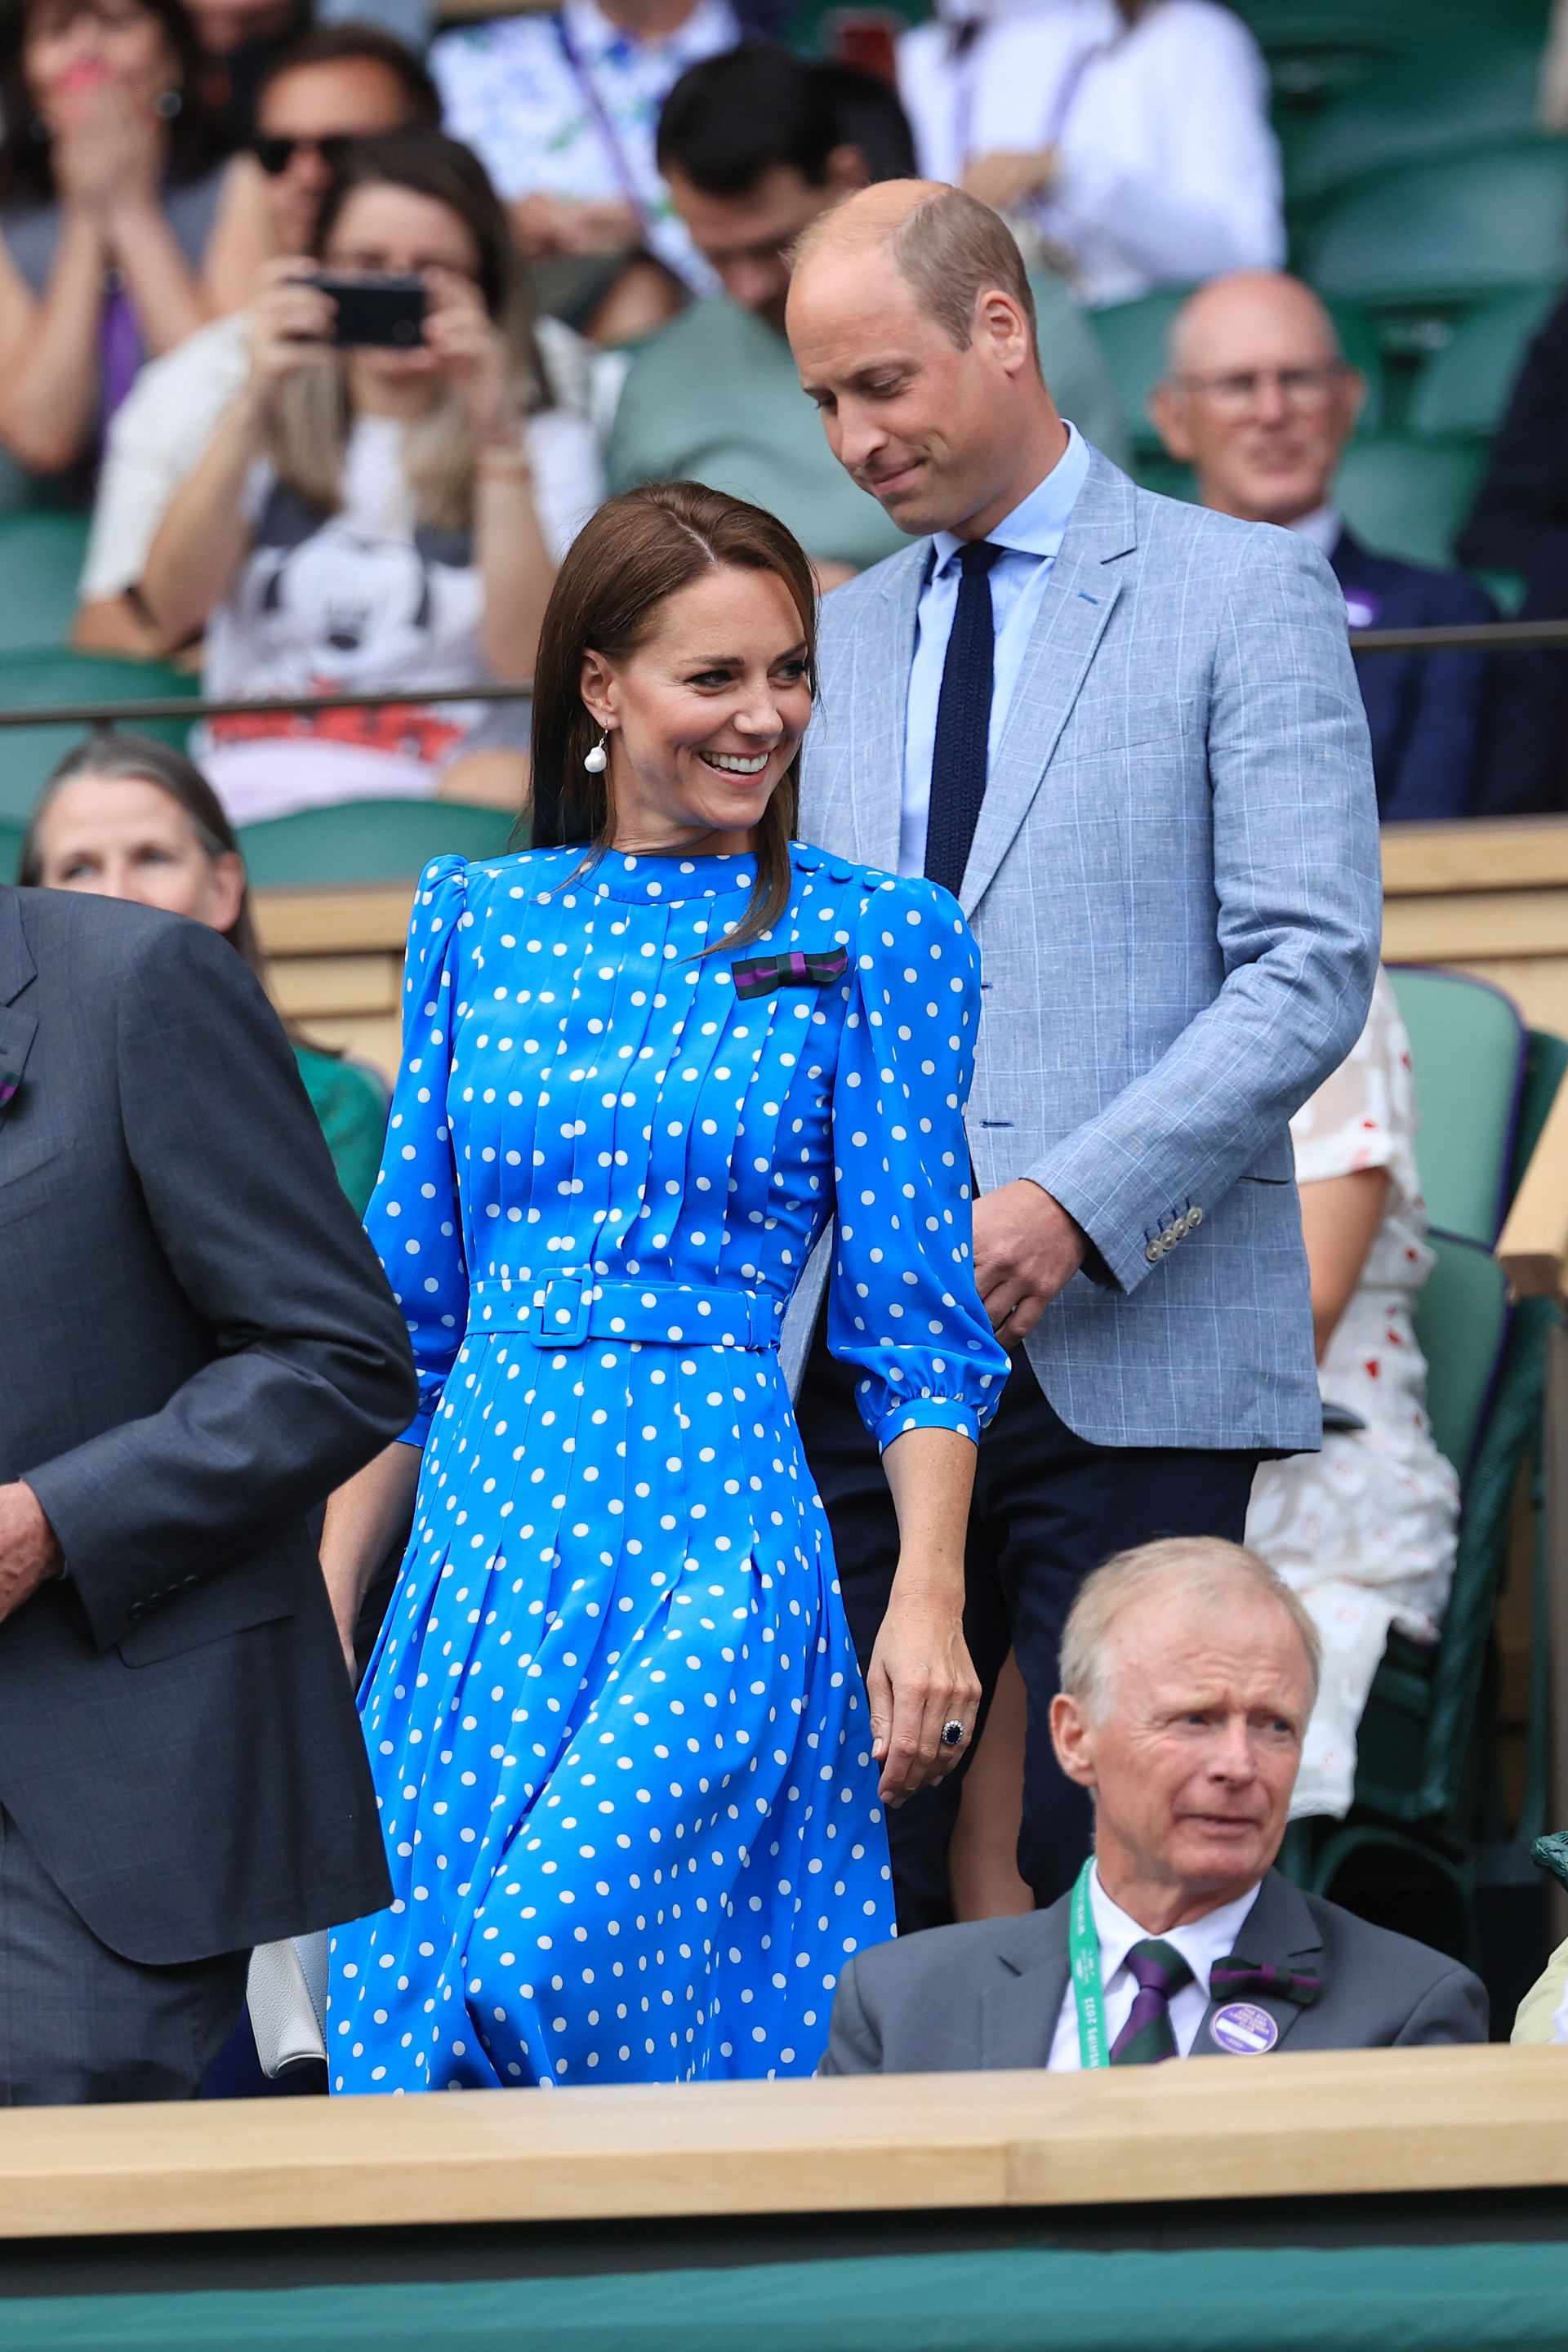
{"type": "Point", "coordinates": [1083, 1950]}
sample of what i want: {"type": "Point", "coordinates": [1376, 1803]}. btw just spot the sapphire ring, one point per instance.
{"type": "Point", "coordinates": [953, 1734]}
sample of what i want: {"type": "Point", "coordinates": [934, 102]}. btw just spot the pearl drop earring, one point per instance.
{"type": "Point", "coordinates": [596, 760]}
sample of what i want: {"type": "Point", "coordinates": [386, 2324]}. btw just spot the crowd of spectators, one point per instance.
{"type": "Point", "coordinates": [298, 517]}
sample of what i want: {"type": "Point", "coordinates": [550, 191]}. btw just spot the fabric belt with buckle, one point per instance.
{"type": "Point", "coordinates": [565, 1310]}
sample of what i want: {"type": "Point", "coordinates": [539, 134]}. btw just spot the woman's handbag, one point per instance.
{"type": "Point", "coordinates": [286, 1995]}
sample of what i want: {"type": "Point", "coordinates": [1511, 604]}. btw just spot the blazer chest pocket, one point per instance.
{"type": "Point", "coordinates": [230, 1603]}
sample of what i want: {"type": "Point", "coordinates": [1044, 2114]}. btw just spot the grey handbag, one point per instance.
{"type": "Point", "coordinates": [287, 1994]}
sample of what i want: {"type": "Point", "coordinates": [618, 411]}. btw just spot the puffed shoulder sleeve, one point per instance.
{"type": "Point", "coordinates": [903, 1305]}
{"type": "Point", "coordinates": [414, 1218]}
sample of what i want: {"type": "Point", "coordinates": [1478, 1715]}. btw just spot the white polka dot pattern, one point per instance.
{"type": "Point", "coordinates": [619, 1733]}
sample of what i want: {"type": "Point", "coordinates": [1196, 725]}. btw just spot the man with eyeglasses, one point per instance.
{"type": "Point", "coordinates": [1259, 400]}
{"type": "Point", "coordinates": [341, 83]}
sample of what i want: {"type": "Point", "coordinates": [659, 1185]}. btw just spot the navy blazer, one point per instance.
{"type": "Point", "coordinates": [1426, 712]}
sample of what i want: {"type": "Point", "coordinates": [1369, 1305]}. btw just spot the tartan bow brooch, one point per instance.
{"type": "Point", "coordinates": [760, 975]}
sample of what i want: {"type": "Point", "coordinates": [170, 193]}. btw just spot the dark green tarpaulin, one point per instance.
{"type": "Point", "coordinates": [1364, 2299]}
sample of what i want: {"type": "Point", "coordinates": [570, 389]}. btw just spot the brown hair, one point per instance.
{"type": "Point", "coordinates": [953, 249]}
{"type": "Point", "coordinates": [638, 551]}
{"type": "Point", "coordinates": [137, 758]}
{"type": "Point", "coordinates": [949, 249]}
{"type": "Point", "coordinates": [310, 428]}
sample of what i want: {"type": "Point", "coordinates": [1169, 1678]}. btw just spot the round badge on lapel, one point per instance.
{"type": "Point", "coordinates": [1243, 2028]}
{"type": "Point", "coordinates": [1361, 608]}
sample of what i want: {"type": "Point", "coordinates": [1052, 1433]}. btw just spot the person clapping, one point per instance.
{"type": "Point", "coordinates": [372, 514]}
{"type": "Point", "coordinates": [108, 191]}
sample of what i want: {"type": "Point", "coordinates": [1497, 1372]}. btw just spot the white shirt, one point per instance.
{"type": "Point", "coordinates": [1202, 1945]}
{"type": "Point", "coordinates": [159, 434]}
{"type": "Point", "coordinates": [534, 109]}
{"type": "Point", "coordinates": [1168, 170]}
{"type": "Point", "coordinates": [1030, 539]}
{"type": "Point", "coordinates": [364, 599]}
{"type": "Point", "coordinates": [1322, 527]}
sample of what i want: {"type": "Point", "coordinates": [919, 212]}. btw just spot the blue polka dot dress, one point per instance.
{"type": "Point", "coordinates": [617, 1730]}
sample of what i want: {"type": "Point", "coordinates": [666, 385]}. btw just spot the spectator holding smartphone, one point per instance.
{"type": "Point", "coordinates": [374, 517]}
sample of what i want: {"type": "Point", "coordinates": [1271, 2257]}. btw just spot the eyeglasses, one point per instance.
{"type": "Point", "coordinates": [1300, 388]}
{"type": "Point", "coordinates": [276, 153]}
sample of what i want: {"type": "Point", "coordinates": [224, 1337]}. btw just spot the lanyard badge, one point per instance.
{"type": "Point", "coordinates": [1083, 1953]}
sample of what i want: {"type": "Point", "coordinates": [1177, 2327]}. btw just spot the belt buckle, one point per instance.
{"type": "Point", "coordinates": [562, 1315]}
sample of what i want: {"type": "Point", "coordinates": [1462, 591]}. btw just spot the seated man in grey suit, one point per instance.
{"type": "Point", "coordinates": [1188, 1674]}
{"type": "Point", "coordinates": [198, 1346]}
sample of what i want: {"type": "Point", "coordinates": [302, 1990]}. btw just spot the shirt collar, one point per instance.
{"type": "Point", "coordinates": [1322, 527]}
{"type": "Point", "coordinates": [1037, 523]}
{"type": "Point", "coordinates": [1201, 1943]}
{"type": "Point", "coordinates": [710, 27]}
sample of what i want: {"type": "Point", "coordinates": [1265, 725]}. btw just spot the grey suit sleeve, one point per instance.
{"type": "Point", "coordinates": [311, 1374]}
{"type": "Point", "coordinates": [1455, 2009]}
{"type": "Point", "coordinates": [1298, 880]}
{"type": "Point", "coordinates": [854, 2045]}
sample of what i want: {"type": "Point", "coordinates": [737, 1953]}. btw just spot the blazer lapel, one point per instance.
{"type": "Point", "coordinates": [1080, 596]}
{"type": "Point", "coordinates": [17, 1025]}
{"type": "Point", "coordinates": [1277, 1932]}
{"type": "Point", "coordinates": [878, 699]}
{"type": "Point", "coordinates": [1018, 2013]}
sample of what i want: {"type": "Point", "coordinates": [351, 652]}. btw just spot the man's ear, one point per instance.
{"type": "Point", "coordinates": [999, 320]}
{"type": "Point", "coordinates": [597, 686]}
{"type": "Point", "coordinates": [1167, 413]}
{"type": "Point", "coordinates": [1072, 1736]}
{"type": "Point", "coordinates": [847, 171]}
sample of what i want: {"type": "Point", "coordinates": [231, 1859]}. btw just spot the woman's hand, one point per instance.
{"type": "Point", "coordinates": [921, 1677]}
{"type": "Point", "coordinates": [290, 328]}
{"type": "Point", "coordinates": [108, 152]}
{"type": "Point", "coordinates": [1004, 179]}
{"type": "Point", "coordinates": [468, 353]}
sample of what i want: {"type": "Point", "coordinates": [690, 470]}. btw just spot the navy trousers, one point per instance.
{"type": "Point", "coordinates": [1048, 1507]}
{"type": "Point", "coordinates": [80, 2024]}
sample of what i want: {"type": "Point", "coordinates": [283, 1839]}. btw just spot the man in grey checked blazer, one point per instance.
{"type": "Point", "coordinates": [1169, 855]}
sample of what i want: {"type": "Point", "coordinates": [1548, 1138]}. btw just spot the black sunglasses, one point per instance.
{"type": "Point", "coordinates": [275, 155]}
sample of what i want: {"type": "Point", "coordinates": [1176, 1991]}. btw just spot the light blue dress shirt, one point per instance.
{"type": "Point", "coordinates": [1029, 539]}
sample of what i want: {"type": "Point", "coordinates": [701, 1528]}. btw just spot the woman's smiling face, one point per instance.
{"type": "Point", "coordinates": [704, 717]}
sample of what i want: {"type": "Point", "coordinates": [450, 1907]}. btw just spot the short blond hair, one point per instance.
{"type": "Point", "coordinates": [1205, 1567]}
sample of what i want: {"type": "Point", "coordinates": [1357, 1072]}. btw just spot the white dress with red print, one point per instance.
{"type": "Point", "coordinates": [1364, 1531]}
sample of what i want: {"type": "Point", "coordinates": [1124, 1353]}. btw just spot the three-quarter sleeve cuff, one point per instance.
{"type": "Point", "coordinates": [924, 1412]}
{"type": "Point", "coordinates": [430, 1394]}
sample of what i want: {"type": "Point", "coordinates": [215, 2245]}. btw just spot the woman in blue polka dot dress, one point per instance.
{"type": "Point", "coordinates": [630, 1780]}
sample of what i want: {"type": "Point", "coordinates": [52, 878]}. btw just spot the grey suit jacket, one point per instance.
{"type": "Point", "coordinates": [988, 1995]}
{"type": "Point", "coordinates": [1175, 888]}
{"type": "Point", "coordinates": [198, 1346]}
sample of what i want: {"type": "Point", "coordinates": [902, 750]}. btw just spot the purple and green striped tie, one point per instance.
{"type": "Point", "coordinates": [1146, 2038]}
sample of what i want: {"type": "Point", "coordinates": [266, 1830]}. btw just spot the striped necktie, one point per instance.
{"type": "Point", "coordinates": [1146, 2038]}
{"type": "Point", "coordinates": [962, 750]}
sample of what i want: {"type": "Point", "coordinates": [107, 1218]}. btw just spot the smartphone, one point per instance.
{"type": "Point", "coordinates": [377, 309]}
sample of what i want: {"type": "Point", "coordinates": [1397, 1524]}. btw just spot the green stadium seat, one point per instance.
{"type": "Point", "coordinates": [1133, 337]}
{"type": "Point", "coordinates": [1464, 388]}
{"type": "Point", "coordinates": [1475, 91]}
{"type": "Point", "coordinates": [41, 680]}
{"type": "Point", "coordinates": [1447, 234]}
{"type": "Point", "coordinates": [1467, 1048]}
{"type": "Point", "coordinates": [40, 564]}
{"type": "Point", "coordinates": [372, 841]}
{"type": "Point", "coordinates": [1409, 498]}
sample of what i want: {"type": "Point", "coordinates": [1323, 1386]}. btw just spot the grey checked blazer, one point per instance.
{"type": "Point", "coordinates": [1176, 889]}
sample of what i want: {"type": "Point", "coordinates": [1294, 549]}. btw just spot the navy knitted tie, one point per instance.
{"type": "Point", "coordinates": [963, 721]}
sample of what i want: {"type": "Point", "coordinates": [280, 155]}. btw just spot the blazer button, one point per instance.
{"type": "Point", "coordinates": [1195, 1216]}
{"type": "Point", "coordinates": [1154, 1253]}
{"type": "Point", "coordinates": [1170, 1237]}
